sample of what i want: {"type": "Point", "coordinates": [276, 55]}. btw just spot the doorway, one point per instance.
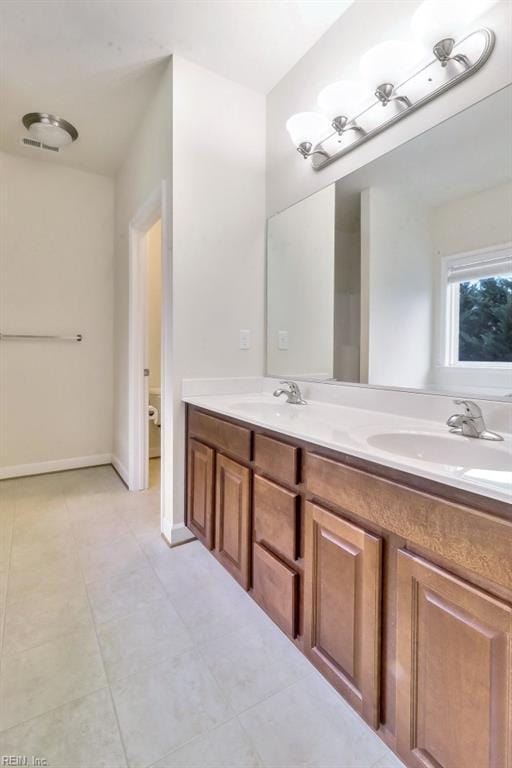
{"type": "Point", "coordinates": [149, 379]}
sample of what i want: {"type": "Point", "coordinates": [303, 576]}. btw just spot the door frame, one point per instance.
{"type": "Point", "coordinates": [155, 207]}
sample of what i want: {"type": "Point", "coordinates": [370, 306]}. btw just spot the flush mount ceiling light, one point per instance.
{"type": "Point", "coordinates": [401, 75]}
{"type": "Point", "coordinates": [48, 130]}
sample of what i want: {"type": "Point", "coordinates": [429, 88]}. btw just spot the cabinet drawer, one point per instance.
{"type": "Point", "coordinates": [228, 437]}
{"type": "Point", "coordinates": [276, 513]}
{"type": "Point", "coordinates": [275, 589]}
{"type": "Point", "coordinates": [278, 459]}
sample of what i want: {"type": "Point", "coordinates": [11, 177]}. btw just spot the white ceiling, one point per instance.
{"type": "Point", "coordinates": [96, 63]}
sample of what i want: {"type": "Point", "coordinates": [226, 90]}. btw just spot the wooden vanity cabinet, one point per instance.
{"type": "Point", "coordinates": [233, 518]}
{"type": "Point", "coordinates": [454, 654]}
{"type": "Point", "coordinates": [398, 589]}
{"type": "Point", "coordinates": [200, 491]}
{"type": "Point", "coordinates": [343, 608]}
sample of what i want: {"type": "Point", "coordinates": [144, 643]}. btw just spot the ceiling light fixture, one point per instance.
{"type": "Point", "coordinates": [49, 130]}
{"type": "Point", "coordinates": [403, 77]}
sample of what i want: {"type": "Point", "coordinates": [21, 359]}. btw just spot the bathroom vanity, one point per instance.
{"type": "Point", "coordinates": [396, 585]}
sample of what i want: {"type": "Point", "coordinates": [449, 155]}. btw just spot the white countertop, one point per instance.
{"type": "Point", "coordinates": [420, 447]}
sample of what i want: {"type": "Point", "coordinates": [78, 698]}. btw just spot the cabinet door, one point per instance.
{"type": "Point", "coordinates": [342, 607]}
{"type": "Point", "coordinates": [232, 514]}
{"type": "Point", "coordinates": [200, 469]}
{"type": "Point", "coordinates": [453, 671]}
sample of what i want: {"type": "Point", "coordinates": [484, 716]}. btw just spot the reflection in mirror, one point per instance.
{"type": "Point", "coordinates": [400, 274]}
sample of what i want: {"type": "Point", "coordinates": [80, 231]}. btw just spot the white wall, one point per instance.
{"type": "Point", "coordinates": [147, 164]}
{"type": "Point", "coordinates": [397, 277]}
{"type": "Point", "coordinates": [336, 55]}
{"type": "Point", "coordinates": [154, 304]}
{"type": "Point", "coordinates": [458, 226]}
{"type": "Point", "coordinates": [56, 277]}
{"type": "Point", "coordinates": [300, 292]}
{"type": "Point", "coordinates": [218, 237]}
{"type": "Point", "coordinates": [154, 255]}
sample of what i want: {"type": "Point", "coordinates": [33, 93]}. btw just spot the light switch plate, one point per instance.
{"type": "Point", "coordinates": [282, 339]}
{"type": "Point", "coordinates": [245, 339]}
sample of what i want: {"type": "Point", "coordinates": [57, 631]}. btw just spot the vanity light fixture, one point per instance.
{"type": "Point", "coordinates": [338, 101]}
{"type": "Point", "coordinates": [306, 129]}
{"type": "Point", "coordinates": [399, 73]}
{"type": "Point", "coordinates": [386, 65]}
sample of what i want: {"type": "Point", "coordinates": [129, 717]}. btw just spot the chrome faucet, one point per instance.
{"type": "Point", "coordinates": [294, 395]}
{"type": "Point", "coordinates": [471, 423]}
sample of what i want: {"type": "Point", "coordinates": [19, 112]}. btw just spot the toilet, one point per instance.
{"type": "Point", "coordinates": [154, 423]}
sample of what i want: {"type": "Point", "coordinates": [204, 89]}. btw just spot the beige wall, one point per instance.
{"type": "Point", "coordinates": [218, 240]}
{"type": "Point", "coordinates": [56, 277]}
{"type": "Point", "coordinates": [147, 164]}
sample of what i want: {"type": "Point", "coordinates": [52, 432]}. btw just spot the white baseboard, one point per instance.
{"type": "Point", "coordinates": [58, 465]}
{"type": "Point", "coordinates": [120, 469]}
{"type": "Point", "coordinates": [176, 534]}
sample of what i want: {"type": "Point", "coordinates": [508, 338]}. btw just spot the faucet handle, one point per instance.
{"type": "Point", "coordinates": [472, 409]}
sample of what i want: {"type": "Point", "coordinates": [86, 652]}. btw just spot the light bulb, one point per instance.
{"type": "Point", "coordinates": [390, 62]}
{"type": "Point", "coordinates": [307, 127]}
{"type": "Point", "coordinates": [344, 98]}
{"type": "Point", "coordinates": [437, 20]}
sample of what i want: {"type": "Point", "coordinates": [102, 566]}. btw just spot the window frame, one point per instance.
{"type": "Point", "coordinates": [450, 303]}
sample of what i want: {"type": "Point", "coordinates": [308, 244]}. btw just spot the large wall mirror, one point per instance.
{"type": "Point", "coordinates": [400, 274]}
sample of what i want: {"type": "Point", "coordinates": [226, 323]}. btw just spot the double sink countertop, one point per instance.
{"type": "Point", "coordinates": [418, 446]}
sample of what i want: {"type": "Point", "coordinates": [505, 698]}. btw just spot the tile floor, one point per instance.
{"type": "Point", "coordinates": [117, 650]}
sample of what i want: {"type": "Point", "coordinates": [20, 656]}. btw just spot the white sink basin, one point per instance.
{"type": "Point", "coordinates": [449, 450]}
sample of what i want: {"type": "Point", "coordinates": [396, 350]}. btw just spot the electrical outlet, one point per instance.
{"type": "Point", "coordinates": [282, 339]}
{"type": "Point", "coordinates": [245, 339]}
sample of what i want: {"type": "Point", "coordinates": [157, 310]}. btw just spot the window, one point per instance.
{"type": "Point", "coordinates": [478, 308]}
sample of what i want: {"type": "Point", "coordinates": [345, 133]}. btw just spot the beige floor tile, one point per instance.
{"type": "Point", "coordinates": [6, 527]}
{"type": "Point", "coordinates": [254, 662]}
{"type": "Point", "coordinates": [36, 680]}
{"type": "Point", "coordinates": [82, 734]}
{"type": "Point", "coordinates": [39, 522]}
{"type": "Point", "coordinates": [48, 508]}
{"type": "Point", "coordinates": [82, 507]}
{"type": "Point", "coordinates": [225, 747]}
{"type": "Point", "coordinates": [167, 705]}
{"type": "Point", "coordinates": [143, 638]}
{"type": "Point", "coordinates": [37, 551]}
{"type": "Point", "coordinates": [389, 760]}
{"type": "Point", "coordinates": [154, 547]}
{"type": "Point", "coordinates": [145, 521]}
{"type": "Point", "coordinates": [308, 724]}
{"type": "Point", "coordinates": [101, 527]}
{"type": "Point", "coordinates": [186, 569]}
{"type": "Point", "coordinates": [55, 575]}
{"type": "Point", "coordinates": [36, 620]}
{"type": "Point", "coordinates": [118, 596]}
{"type": "Point", "coordinates": [113, 557]}
{"type": "Point", "coordinates": [214, 610]}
